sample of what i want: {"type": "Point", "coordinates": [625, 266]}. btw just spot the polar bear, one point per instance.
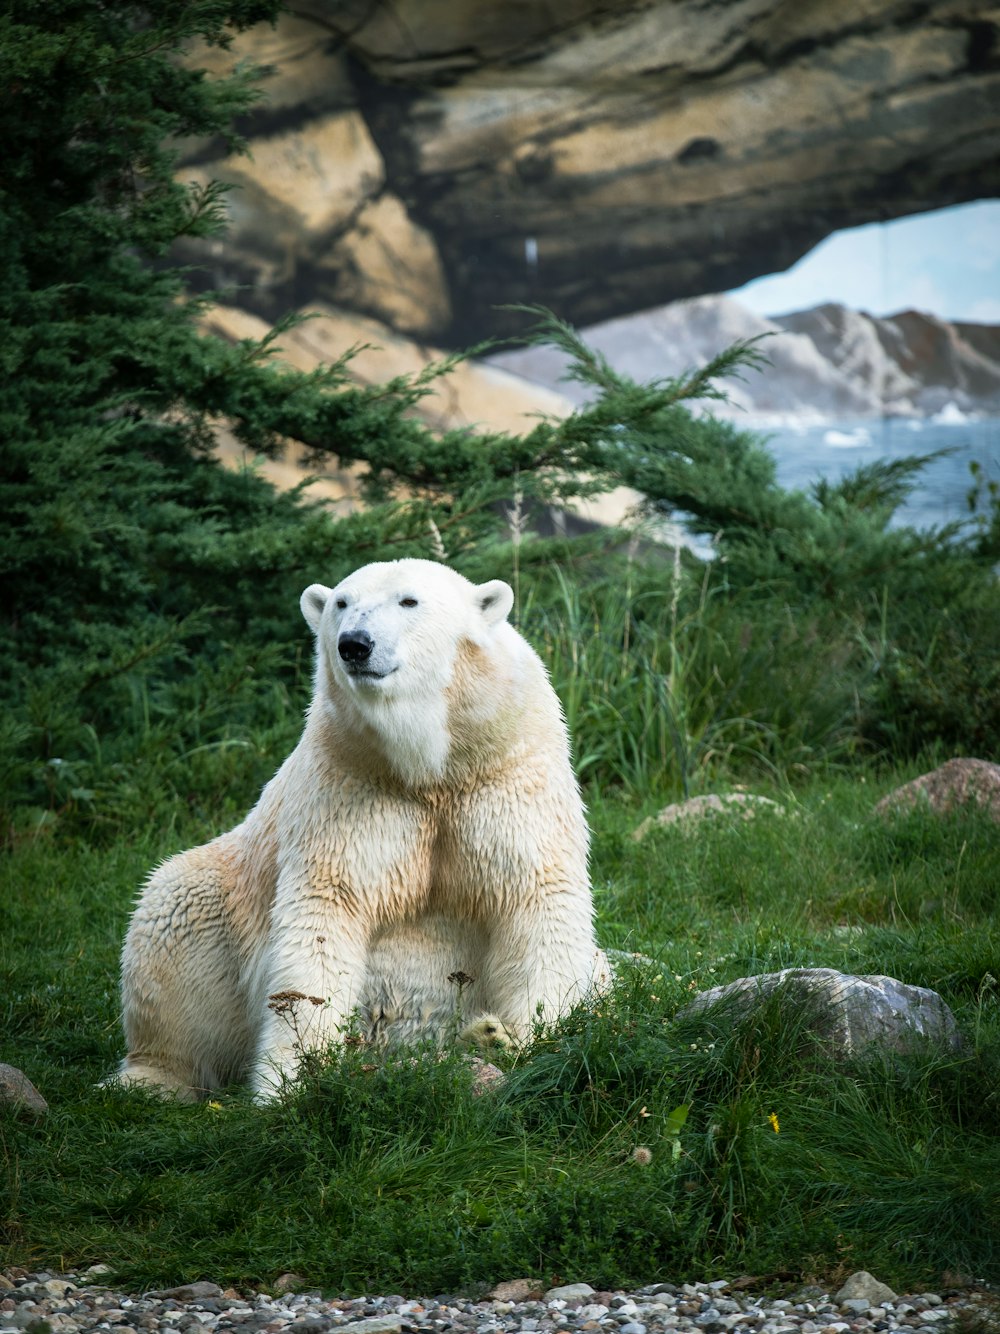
{"type": "Point", "coordinates": [423, 847]}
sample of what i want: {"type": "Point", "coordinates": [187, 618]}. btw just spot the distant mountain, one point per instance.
{"type": "Point", "coordinates": [827, 364]}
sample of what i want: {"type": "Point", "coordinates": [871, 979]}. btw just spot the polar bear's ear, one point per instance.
{"type": "Point", "coordinates": [312, 602]}
{"type": "Point", "coordinates": [494, 600]}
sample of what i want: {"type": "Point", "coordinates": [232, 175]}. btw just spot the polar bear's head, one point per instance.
{"type": "Point", "coordinates": [390, 638]}
{"type": "Point", "coordinates": [394, 628]}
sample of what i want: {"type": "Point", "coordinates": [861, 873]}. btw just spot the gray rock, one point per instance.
{"type": "Point", "coordinates": [848, 1013]}
{"type": "Point", "coordinates": [856, 1305]}
{"type": "Point", "coordinates": [17, 1090]}
{"type": "Point", "coordinates": [960, 782]}
{"type": "Point", "coordinates": [570, 1292]}
{"type": "Point", "coordinates": [376, 1324]}
{"type": "Point", "coordinates": [191, 1292]}
{"type": "Point", "coordinates": [863, 1286]}
{"type": "Point", "coordinates": [517, 1290]}
{"type": "Point", "coordinates": [744, 805]}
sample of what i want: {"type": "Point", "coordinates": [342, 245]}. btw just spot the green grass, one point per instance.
{"type": "Point", "coordinates": [393, 1176]}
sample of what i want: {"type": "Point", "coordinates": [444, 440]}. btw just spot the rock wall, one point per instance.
{"type": "Point", "coordinates": [424, 162]}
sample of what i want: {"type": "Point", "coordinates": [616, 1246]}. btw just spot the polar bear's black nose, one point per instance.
{"type": "Point", "coordinates": [355, 645]}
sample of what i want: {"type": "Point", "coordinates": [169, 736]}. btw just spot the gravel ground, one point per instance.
{"type": "Point", "coordinates": [48, 1303]}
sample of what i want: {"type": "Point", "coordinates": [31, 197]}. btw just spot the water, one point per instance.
{"type": "Point", "coordinates": [804, 454]}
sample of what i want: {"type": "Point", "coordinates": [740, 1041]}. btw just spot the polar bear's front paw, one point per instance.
{"type": "Point", "coordinates": [487, 1031]}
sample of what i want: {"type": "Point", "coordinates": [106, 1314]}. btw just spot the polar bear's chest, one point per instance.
{"type": "Point", "coordinates": [388, 857]}
{"type": "Point", "coordinates": [481, 854]}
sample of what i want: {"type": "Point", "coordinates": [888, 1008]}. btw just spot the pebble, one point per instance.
{"type": "Point", "coordinates": [83, 1304]}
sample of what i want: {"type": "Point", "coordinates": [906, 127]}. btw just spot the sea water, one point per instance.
{"type": "Point", "coordinates": [804, 454]}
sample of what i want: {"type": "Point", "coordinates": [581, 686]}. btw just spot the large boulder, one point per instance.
{"type": "Point", "coordinates": [743, 805]}
{"type": "Point", "coordinates": [956, 784]}
{"type": "Point", "coordinates": [850, 1015]}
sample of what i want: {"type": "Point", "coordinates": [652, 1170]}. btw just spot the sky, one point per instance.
{"type": "Point", "coordinates": [945, 263]}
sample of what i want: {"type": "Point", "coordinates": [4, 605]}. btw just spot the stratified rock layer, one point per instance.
{"type": "Point", "coordinates": [424, 164]}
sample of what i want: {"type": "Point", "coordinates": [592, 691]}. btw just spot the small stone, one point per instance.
{"type": "Point", "coordinates": [633, 1327]}
{"type": "Point", "coordinates": [192, 1292]}
{"type": "Point", "coordinates": [287, 1283]}
{"type": "Point", "coordinates": [570, 1292]}
{"type": "Point", "coordinates": [377, 1324]}
{"type": "Point", "coordinates": [932, 1298]}
{"type": "Point", "coordinates": [96, 1271]}
{"type": "Point", "coordinates": [862, 1284]}
{"type": "Point", "coordinates": [856, 1305]}
{"type": "Point", "coordinates": [593, 1311]}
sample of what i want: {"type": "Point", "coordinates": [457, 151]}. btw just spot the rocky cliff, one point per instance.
{"type": "Point", "coordinates": [423, 163]}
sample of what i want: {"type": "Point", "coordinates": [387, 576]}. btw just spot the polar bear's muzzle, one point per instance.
{"type": "Point", "coordinates": [357, 652]}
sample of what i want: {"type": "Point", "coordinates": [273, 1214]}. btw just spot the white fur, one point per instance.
{"type": "Point", "coordinates": [428, 823]}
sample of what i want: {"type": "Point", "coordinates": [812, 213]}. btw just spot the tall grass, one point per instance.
{"type": "Point", "coordinates": [669, 682]}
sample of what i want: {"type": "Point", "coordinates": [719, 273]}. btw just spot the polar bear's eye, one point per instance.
{"type": "Point", "coordinates": [342, 603]}
{"type": "Point", "coordinates": [407, 602]}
